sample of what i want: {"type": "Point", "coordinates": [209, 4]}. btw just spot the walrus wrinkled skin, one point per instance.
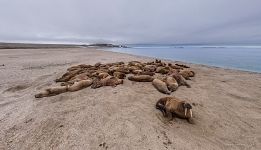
{"type": "Point", "coordinates": [52, 91]}
{"type": "Point", "coordinates": [108, 81]}
{"type": "Point", "coordinates": [141, 78]}
{"type": "Point", "coordinates": [80, 85]}
{"type": "Point", "coordinates": [161, 86]}
{"type": "Point", "coordinates": [174, 107]}
{"type": "Point", "coordinates": [172, 84]}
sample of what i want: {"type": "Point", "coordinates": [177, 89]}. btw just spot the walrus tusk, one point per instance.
{"type": "Point", "coordinates": [185, 111]}
{"type": "Point", "coordinates": [190, 113]}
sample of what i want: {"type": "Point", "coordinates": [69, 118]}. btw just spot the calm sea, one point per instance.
{"type": "Point", "coordinates": [246, 58]}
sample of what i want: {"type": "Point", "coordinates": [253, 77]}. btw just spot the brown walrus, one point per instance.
{"type": "Point", "coordinates": [68, 75]}
{"type": "Point", "coordinates": [172, 84]}
{"type": "Point", "coordinates": [108, 81]}
{"type": "Point", "coordinates": [182, 65]}
{"type": "Point", "coordinates": [172, 106]}
{"type": "Point", "coordinates": [141, 78]}
{"type": "Point", "coordinates": [160, 86]}
{"type": "Point", "coordinates": [180, 79]}
{"type": "Point", "coordinates": [136, 71]}
{"type": "Point", "coordinates": [146, 73]}
{"type": "Point", "coordinates": [135, 63]}
{"type": "Point", "coordinates": [79, 77]}
{"type": "Point", "coordinates": [98, 64]}
{"type": "Point", "coordinates": [187, 74]}
{"type": "Point", "coordinates": [162, 70]}
{"type": "Point", "coordinates": [119, 69]}
{"type": "Point", "coordinates": [103, 75]}
{"type": "Point", "coordinates": [174, 66]}
{"type": "Point", "coordinates": [52, 91]}
{"type": "Point", "coordinates": [132, 68]}
{"type": "Point", "coordinates": [79, 85]}
{"type": "Point", "coordinates": [119, 75]}
{"type": "Point", "coordinates": [150, 68]}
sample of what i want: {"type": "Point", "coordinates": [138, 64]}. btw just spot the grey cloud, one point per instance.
{"type": "Point", "coordinates": [135, 21]}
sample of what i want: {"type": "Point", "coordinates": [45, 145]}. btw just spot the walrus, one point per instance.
{"type": "Point", "coordinates": [162, 70]}
{"type": "Point", "coordinates": [157, 61]}
{"type": "Point", "coordinates": [174, 66]}
{"type": "Point", "coordinates": [79, 85]}
{"type": "Point", "coordinates": [73, 68]}
{"type": "Point", "coordinates": [119, 75]}
{"type": "Point", "coordinates": [108, 81]}
{"type": "Point", "coordinates": [182, 65]}
{"type": "Point", "coordinates": [160, 86]}
{"type": "Point", "coordinates": [172, 84]}
{"type": "Point", "coordinates": [79, 77]}
{"type": "Point", "coordinates": [113, 69]}
{"type": "Point", "coordinates": [180, 79]}
{"type": "Point", "coordinates": [119, 63]}
{"type": "Point", "coordinates": [187, 74]}
{"type": "Point", "coordinates": [103, 75]}
{"type": "Point", "coordinates": [131, 68]}
{"type": "Point", "coordinates": [68, 75]}
{"type": "Point", "coordinates": [98, 64]}
{"type": "Point", "coordinates": [52, 91]}
{"type": "Point", "coordinates": [150, 68]}
{"type": "Point", "coordinates": [134, 63]}
{"type": "Point", "coordinates": [136, 71]}
{"type": "Point", "coordinates": [172, 106]}
{"type": "Point", "coordinates": [141, 78]}
{"type": "Point", "coordinates": [146, 73]}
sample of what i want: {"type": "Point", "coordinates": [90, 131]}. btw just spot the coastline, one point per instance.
{"type": "Point", "coordinates": [227, 107]}
{"type": "Point", "coordinates": [188, 63]}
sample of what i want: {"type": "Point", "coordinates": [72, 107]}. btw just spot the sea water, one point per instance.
{"type": "Point", "coordinates": [246, 58]}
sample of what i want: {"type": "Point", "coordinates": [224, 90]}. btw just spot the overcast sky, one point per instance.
{"type": "Point", "coordinates": [131, 21]}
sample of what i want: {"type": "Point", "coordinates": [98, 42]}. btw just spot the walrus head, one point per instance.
{"type": "Point", "coordinates": [187, 108]}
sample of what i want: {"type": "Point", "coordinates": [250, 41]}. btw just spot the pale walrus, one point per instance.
{"type": "Point", "coordinates": [80, 85]}
{"type": "Point", "coordinates": [172, 106]}
{"type": "Point", "coordinates": [160, 86]}
{"type": "Point", "coordinates": [103, 75]}
{"type": "Point", "coordinates": [172, 84]}
{"type": "Point", "coordinates": [108, 81]}
{"type": "Point", "coordinates": [141, 78]}
{"type": "Point", "coordinates": [180, 79]}
{"type": "Point", "coordinates": [68, 75]}
{"type": "Point", "coordinates": [187, 74]}
{"type": "Point", "coordinates": [52, 91]}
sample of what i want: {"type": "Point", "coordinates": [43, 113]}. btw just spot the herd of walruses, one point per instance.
{"type": "Point", "coordinates": [166, 78]}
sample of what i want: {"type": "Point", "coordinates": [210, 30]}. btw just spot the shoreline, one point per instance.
{"type": "Point", "coordinates": [226, 107]}
{"type": "Point", "coordinates": [189, 63]}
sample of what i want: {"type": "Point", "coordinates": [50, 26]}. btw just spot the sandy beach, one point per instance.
{"type": "Point", "coordinates": [227, 107]}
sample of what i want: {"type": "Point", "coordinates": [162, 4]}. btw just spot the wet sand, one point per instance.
{"type": "Point", "coordinates": [227, 107]}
